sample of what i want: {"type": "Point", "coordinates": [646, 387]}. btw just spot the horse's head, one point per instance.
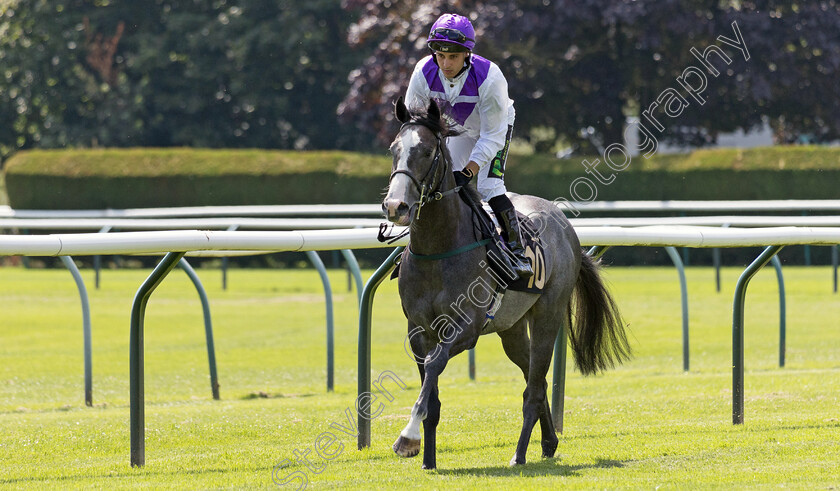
{"type": "Point", "coordinates": [419, 162]}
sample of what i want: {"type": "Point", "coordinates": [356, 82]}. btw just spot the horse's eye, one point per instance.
{"type": "Point", "coordinates": [428, 153]}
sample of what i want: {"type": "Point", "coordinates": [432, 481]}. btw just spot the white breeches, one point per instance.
{"type": "Point", "coordinates": [460, 148]}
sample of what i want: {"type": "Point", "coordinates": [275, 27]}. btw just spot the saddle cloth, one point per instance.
{"type": "Point", "coordinates": [533, 252]}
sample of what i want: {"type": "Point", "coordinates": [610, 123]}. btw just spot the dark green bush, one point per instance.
{"type": "Point", "coordinates": [140, 178]}
{"type": "Point", "coordinates": [148, 177]}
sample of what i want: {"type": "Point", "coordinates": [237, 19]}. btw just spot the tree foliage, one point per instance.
{"type": "Point", "coordinates": [324, 73]}
{"type": "Point", "coordinates": [574, 66]}
{"type": "Point", "coordinates": [49, 95]}
{"type": "Point", "coordinates": [255, 73]}
{"type": "Point", "coordinates": [210, 73]}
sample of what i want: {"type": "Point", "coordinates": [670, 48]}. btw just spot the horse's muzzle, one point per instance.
{"type": "Point", "coordinates": [396, 211]}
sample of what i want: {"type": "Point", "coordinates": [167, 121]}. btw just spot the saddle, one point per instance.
{"type": "Point", "coordinates": [497, 246]}
{"type": "Point", "coordinates": [490, 230]}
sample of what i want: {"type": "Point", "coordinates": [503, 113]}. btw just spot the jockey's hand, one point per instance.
{"type": "Point", "coordinates": [461, 178]}
{"type": "Point", "coordinates": [464, 176]}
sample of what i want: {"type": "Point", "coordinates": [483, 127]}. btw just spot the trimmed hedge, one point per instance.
{"type": "Point", "coordinates": [689, 185]}
{"type": "Point", "coordinates": [779, 172]}
{"type": "Point", "coordinates": [4, 200]}
{"type": "Point", "coordinates": [139, 178]}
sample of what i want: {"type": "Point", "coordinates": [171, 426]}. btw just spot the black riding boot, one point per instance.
{"type": "Point", "coordinates": [510, 224]}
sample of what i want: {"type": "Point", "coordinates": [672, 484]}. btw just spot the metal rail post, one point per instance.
{"type": "Point", "coordinates": [558, 383]}
{"type": "Point", "coordinates": [782, 312]}
{"type": "Point", "coordinates": [97, 259]}
{"type": "Point", "coordinates": [806, 249]}
{"type": "Point", "coordinates": [226, 261]}
{"type": "Point", "coordinates": [325, 280]}
{"type": "Point", "coordinates": [716, 262]}
{"type": "Point", "coordinates": [138, 314]}
{"type": "Point", "coordinates": [684, 249]}
{"type": "Point", "coordinates": [738, 331]}
{"type": "Point", "coordinates": [208, 325]}
{"type": "Point", "coordinates": [86, 331]}
{"type": "Point", "coordinates": [354, 269]}
{"type": "Point", "coordinates": [597, 251]}
{"type": "Point", "coordinates": [675, 258]}
{"type": "Point", "coordinates": [365, 314]}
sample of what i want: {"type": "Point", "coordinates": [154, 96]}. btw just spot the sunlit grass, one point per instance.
{"type": "Point", "coordinates": [643, 425]}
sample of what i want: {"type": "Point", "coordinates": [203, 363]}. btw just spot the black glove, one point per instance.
{"type": "Point", "coordinates": [462, 178]}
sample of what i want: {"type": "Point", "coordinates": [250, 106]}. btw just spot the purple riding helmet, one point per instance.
{"type": "Point", "coordinates": [452, 33]}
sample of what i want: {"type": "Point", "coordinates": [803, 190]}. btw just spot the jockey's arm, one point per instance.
{"type": "Point", "coordinates": [493, 109]}
{"type": "Point", "coordinates": [472, 168]}
{"type": "Point", "coordinates": [417, 94]}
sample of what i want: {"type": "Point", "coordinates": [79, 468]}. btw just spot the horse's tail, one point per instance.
{"type": "Point", "coordinates": [597, 336]}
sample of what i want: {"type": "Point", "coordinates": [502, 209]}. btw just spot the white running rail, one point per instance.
{"type": "Point", "coordinates": [365, 238]}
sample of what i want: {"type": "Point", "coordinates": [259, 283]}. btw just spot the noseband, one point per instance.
{"type": "Point", "coordinates": [428, 192]}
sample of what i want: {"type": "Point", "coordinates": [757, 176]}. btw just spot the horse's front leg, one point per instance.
{"type": "Point", "coordinates": [408, 443]}
{"type": "Point", "coordinates": [427, 407]}
{"type": "Point", "coordinates": [425, 410]}
{"type": "Point", "coordinates": [430, 431]}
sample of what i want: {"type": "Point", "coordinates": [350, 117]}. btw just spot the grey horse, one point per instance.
{"type": "Point", "coordinates": [446, 287]}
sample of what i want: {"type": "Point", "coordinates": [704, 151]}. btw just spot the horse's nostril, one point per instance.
{"type": "Point", "coordinates": [394, 207]}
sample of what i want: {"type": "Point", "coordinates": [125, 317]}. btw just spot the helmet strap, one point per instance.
{"type": "Point", "coordinates": [467, 62]}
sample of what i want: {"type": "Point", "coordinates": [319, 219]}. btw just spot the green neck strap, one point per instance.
{"type": "Point", "coordinates": [454, 252]}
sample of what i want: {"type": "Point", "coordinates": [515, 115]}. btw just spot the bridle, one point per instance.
{"type": "Point", "coordinates": [428, 191]}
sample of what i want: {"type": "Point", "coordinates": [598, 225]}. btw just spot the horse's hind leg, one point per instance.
{"type": "Point", "coordinates": [552, 328]}
{"type": "Point", "coordinates": [517, 347]}
{"type": "Point", "coordinates": [549, 432]}
{"type": "Point", "coordinates": [547, 330]}
{"type": "Point", "coordinates": [535, 405]}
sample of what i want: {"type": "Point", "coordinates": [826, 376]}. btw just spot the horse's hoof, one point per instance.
{"type": "Point", "coordinates": [548, 449]}
{"type": "Point", "coordinates": [405, 447]}
{"type": "Point", "coordinates": [515, 461]}
{"type": "Point", "coordinates": [429, 467]}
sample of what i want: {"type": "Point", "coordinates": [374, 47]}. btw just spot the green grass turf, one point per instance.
{"type": "Point", "coordinates": [644, 425]}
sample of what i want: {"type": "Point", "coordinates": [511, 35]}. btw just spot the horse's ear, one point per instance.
{"type": "Point", "coordinates": [434, 110]}
{"type": "Point", "coordinates": [400, 111]}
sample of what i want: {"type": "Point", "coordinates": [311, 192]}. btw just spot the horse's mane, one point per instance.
{"type": "Point", "coordinates": [439, 126]}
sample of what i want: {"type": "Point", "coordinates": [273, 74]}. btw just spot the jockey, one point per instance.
{"type": "Point", "coordinates": [473, 97]}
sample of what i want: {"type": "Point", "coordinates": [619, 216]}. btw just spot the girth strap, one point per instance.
{"type": "Point", "coordinates": [454, 252]}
